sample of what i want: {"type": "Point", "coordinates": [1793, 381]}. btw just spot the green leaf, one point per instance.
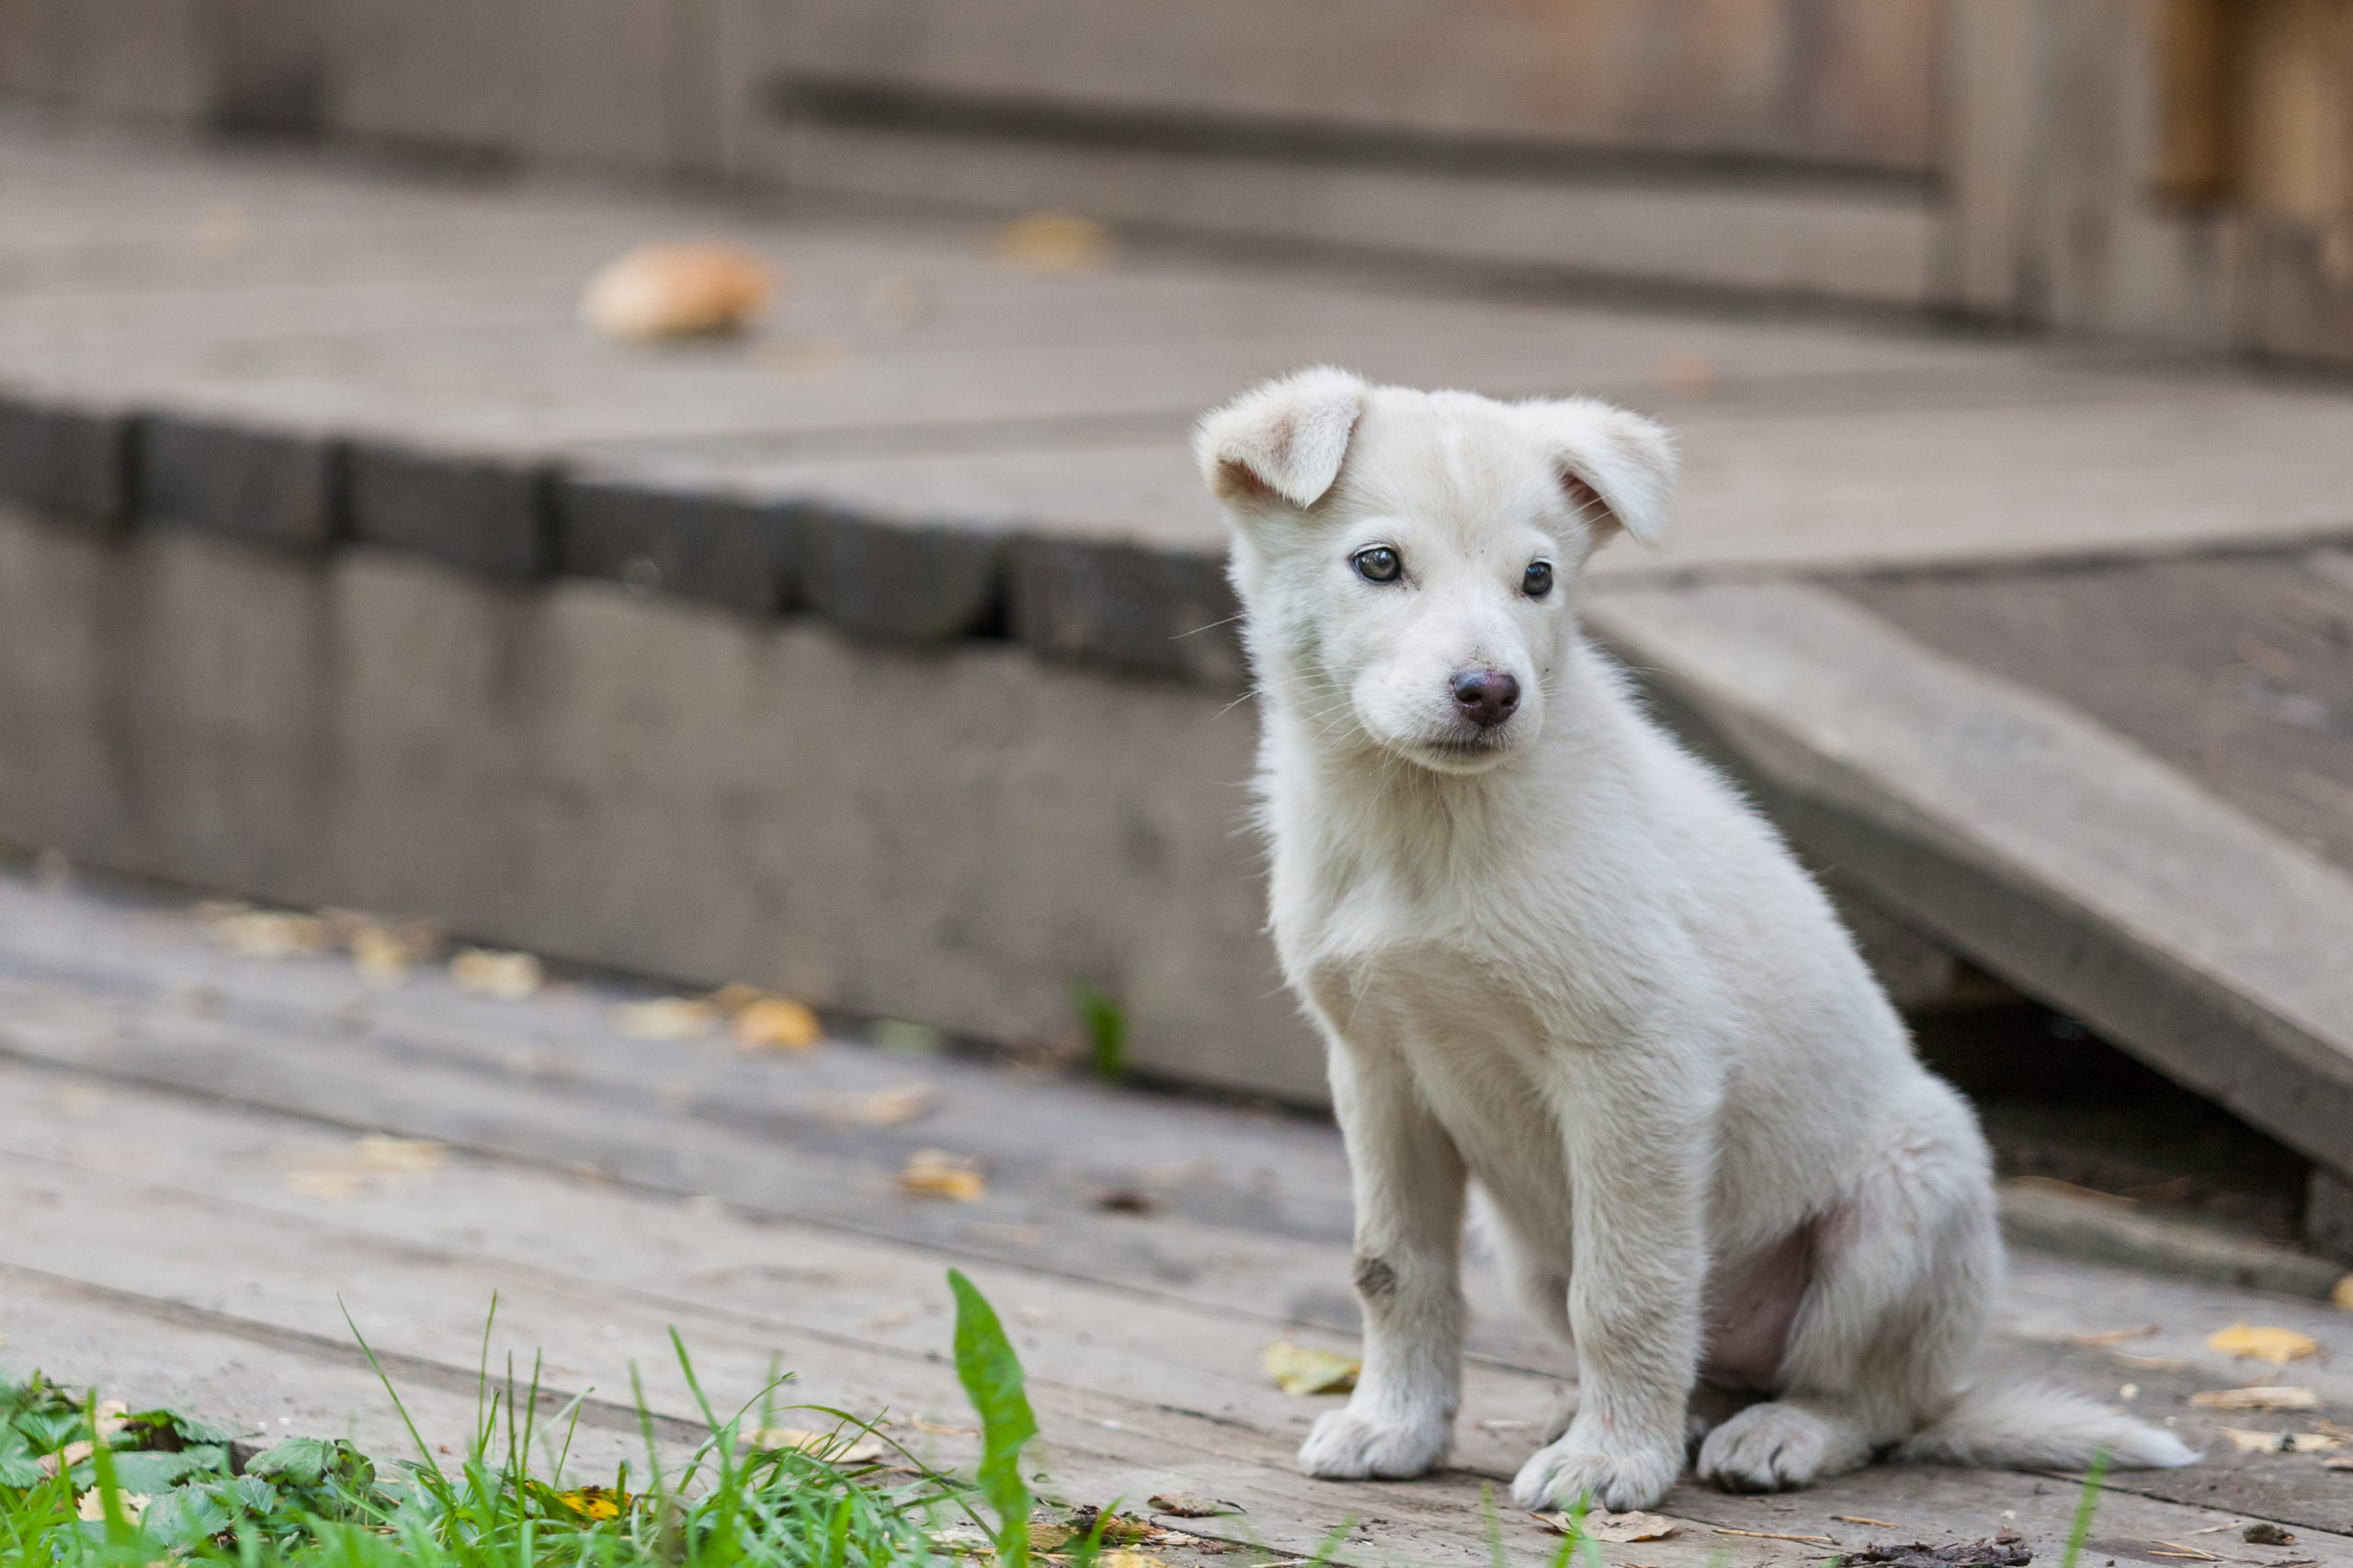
{"type": "Point", "coordinates": [993, 1381]}
{"type": "Point", "coordinates": [318, 1473]}
{"type": "Point", "coordinates": [50, 1429]}
{"type": "Point", "coordinates": [151, 1472]}
{"type": "Point", "coordinates": [172, 1428]}
{"type": "Point", "coordinates": [184, 1516]}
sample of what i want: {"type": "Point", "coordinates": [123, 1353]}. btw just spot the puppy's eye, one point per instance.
{"type": "Point", "coordinates": [1539, 580]}
{"type": "Point", "coordinates": [1379, 564]}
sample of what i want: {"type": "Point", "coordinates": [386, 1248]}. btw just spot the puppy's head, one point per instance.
{"type": "Point", "coordinates": [1406, 559]}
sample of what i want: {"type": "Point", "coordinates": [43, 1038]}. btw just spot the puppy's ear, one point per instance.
{"type": "Point", "coordinates": [1280, 441]}
{"type": "Point", "coordinates": [1618, 468]}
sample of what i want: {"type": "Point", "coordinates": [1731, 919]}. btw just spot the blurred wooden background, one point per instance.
{"type": "Point", "coordinates": [2175, 171]}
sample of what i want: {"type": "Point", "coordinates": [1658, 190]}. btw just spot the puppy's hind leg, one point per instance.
{"type": "Point", "coordinates": [1903, 1273]}
{"type": "Point", "coordinates": [1409, 1180]}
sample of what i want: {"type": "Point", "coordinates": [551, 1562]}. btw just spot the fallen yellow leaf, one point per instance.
{"type": "Point", "coordinates": [66, 1457]}
{"type": "Point", "coordinates": [2270, 1398]}
{"type": "Point", "coordinates": [93, 1508]}
{"type": "Point", "coordinates": [2254, 1442]}
{"type": "Point", "coordinates": [666, 1017]}
{"type": "Point", "coordinates": [270, 934]}
{"type": "Point", "coordinates": [1127, 1557]}
{"type": "Point", "coordinates": [1299, 1371]}
{"type": "Point", "coordinates": [2341, 1294]}
{"type": "Point", "coordinates": [380, 1152]}
{"type": "Point", "coordinates": [777, 1023]}
{"type": "Point", "coordinates": [507, 977]}
{"type": "Point", "coordinates": [594, 1502]}
{"type": "Point", "coordinates": [1191, 1506]}
{"type": "Point", "coordinates": [935, 1173]}
{"type": "Point", "coordinates": [883, 1107]}
{"type": "Point", "coordinates": [1053, 242]}
{"type": "Point", "coordinates": [2277, 1345]}
{"type": "Point", "coordinates": [1600, 1524]}
{"type": "Point", "coordinates": [679, 290]}
{"type": "Point", "coordinates": [383, 954]}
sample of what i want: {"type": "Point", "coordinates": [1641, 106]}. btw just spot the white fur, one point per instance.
{"type": "Point", "coordinates": [1564, 957]}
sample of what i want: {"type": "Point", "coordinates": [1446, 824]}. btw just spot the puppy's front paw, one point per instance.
{"type": "Point", "coordinates": [1345, 1446]}
{"type": "Point", "coordinates": [1767, 1448]}
{"type": "Point", "coordinates": [1614, 1478]}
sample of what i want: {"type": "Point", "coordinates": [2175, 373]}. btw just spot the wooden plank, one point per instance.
{"type": "Point", "coordinates": [1773, 240]}
{"type": "Point", "coordinates": [1844, 83]}
{"type": "Point", "coordinates": [1987, 67]}
{"type": "Point", "coordinates": [2038, 842]}
{"type": "Point", "coordinates": [594, 1276]}
{"type": "Point", "coordinates": [2232, 670]}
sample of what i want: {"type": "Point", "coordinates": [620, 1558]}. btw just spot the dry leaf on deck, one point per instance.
{"type": "Point", "coordinates": [270, 934]}
{"type": "Point", "coordinates": [1188, 1505]}
{"type": "Point", "coordinates": [1124, 1557]}
{"type": "Point", "coordinates": [2257, 1399]}
{"type": "Point", "coordinates": [382, 954]}
{"type": "Point", "coordinates": [883, 1107]}
{"type": "Point", "coordinates": [2280, 1443]}
{"type": "Point", "coordinates": [379, 1151]}
{"type": "Point", "coordinates": [2277, 1345]}
{"type": "Point", "coordinates": [594, 1502]}
{"type": "Point", "coordinates": [1054, 241]}
{"type": "Point", "coordinates": [679, 290]}
{"type": "Point", "coordinates": [665, 1018]}
{"type": "Point", "coordinates": [1299, 1371]}
{"type": "Point", "coordinates": [509, 977]}
{"type": "Point", "coordinates": [1600, 1524]}
{"type": "Point", "coordinates": [935, 1173]}
{"type": "Point", "coordinates": [66, 1457]}
{"type": "Point", "coordinates": [777, 1023]}
{"type": "Point", "coordinates": [2007, 1549]}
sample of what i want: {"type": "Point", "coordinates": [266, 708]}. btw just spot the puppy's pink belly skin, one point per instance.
{"type": "Point", "coordinates": [1751, 1303]}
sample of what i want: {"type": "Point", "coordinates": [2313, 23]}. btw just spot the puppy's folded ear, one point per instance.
{"type": "Point", "coordinates": [1618, 468]}
{"type": "Point", "coordinates": [1281, 441]}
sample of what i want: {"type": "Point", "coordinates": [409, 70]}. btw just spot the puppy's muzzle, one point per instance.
{"type": "Point", "coordinates": [1486, 698]}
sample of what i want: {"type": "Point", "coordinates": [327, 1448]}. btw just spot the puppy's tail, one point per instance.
{"type": "Point", "coordinates": [2033, 1425]}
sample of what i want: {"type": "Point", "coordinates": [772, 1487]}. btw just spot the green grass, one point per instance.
{"type": "Point", "coordinates": [1105, 1024]}
{"type": "Point", "coordinates": [73, 1472]}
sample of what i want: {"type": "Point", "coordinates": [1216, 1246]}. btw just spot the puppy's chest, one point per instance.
{"type": "Point", "coordinates": [1476, 1047]}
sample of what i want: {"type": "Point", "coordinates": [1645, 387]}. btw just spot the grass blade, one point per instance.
{"type": "Point", "coordinates": [992, 1379]}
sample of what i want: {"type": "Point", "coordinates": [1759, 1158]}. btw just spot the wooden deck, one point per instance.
{"type": "Point", "coordinates": [2044, 648]}
{"type": "Point", "coordinates": [193, 1214]}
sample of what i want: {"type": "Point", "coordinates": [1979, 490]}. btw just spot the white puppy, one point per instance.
{"type": "Point", "coordinates": [1549, 949]}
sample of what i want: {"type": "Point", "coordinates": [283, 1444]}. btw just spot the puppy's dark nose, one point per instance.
{"type": "Point", "coordinates": [1486, 698]}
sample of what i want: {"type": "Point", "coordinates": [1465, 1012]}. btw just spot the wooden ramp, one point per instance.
{"type": "Point", "coordinates": [198, 1215]}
